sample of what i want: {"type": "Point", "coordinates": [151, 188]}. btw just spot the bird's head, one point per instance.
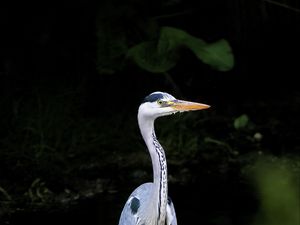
{"type": "Point", "coordinates": [162, 104]}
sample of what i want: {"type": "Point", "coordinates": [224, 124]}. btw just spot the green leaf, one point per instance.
{"type": "Point", "coordinates": [218, 54]}
{"type": "Point", "coordinates": [278, 190]}
{"type": "Point", "coordinates": [241, 122]}
{"type": "Point", "coordinates": [171, 38]}
{"type": "Point", "coordinates": [162, 55]}
{"type": "Point", "coordinates": [146, 56]}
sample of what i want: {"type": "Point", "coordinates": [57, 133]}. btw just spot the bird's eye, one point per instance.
{"type": "Point", "coordinates": [160, 102]}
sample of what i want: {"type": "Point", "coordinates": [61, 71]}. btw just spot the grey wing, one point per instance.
{"type": "Point", "coordinates": [171, 215]}
{"type": "Point", "coordinates": [132, 212]}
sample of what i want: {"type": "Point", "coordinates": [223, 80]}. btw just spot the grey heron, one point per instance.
{"type": "Point", "coordinates": [149, 204]}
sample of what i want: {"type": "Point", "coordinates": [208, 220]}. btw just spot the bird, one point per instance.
{"type": "Point", "coordinates": [149, 203]}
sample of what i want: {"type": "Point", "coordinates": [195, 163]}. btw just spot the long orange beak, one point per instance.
{"type": "Point", "coordinates": [181, 105]}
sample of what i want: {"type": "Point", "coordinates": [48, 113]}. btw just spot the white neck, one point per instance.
{"type": "Point", "coordinates": [159, 163]}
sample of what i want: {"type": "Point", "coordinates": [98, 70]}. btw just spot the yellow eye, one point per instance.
{"type": "Point", "coordinates": [160, 102]}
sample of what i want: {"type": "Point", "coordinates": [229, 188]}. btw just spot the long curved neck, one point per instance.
{"type": "Point", "coordinates": [159, 163]}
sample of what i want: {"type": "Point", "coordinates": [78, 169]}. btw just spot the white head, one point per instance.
{"type": "Point", "coordinates": [162, 104]}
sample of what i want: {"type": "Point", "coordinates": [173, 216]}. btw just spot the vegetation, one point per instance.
{"type": "Point", "coordinates": [276, 180]}
{"type": "Point", "coordinates": [72, 79]}
{"type": "Point", "coordinates": [162, 55]}
{"type": "Point", "coordinates": [59, 158]}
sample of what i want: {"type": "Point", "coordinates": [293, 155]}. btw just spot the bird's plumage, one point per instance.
{"type": "Point", "coordinates": [149, 204]}
{"type": "Point", "coordinates": [155, 96]}
{"type": "Point", "coordinates": [142, 194]}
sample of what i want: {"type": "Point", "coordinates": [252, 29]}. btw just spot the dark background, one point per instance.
{"type": "Point", "coordinates": [70, 148]}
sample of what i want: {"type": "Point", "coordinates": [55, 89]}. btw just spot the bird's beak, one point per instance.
{"type": "Point", "coordinates": [181, 106]}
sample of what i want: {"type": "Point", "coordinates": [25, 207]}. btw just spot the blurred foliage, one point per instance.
{"type": "Point", "coordinates": [5, 194]}
{"type": "Point", "coordinates": [154, 48]}
{"type": "Point", "coordinates": [278, 185]}
{"type": "Point", "coordinates": [38, 192]}
{"type": "Point", "coordinates": [241, 122]}
{"type": "Point", "coordinates": [119, 26]}
{"type": "Point", "coordinates": [178, 138]}
{"type": "Point", "coordinates": [162, 55]}
{"type": "Point", "coordinates": [46, 137]}
{"type": "Point", "coordinates": [57, 155]}
{"type": "Point", "coordinates": [148, 57]}
{"type": "Point", "coordinates": [52, 151]}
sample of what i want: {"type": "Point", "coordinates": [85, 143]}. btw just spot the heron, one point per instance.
{"type": "Point", "coordinates": [149, 203]}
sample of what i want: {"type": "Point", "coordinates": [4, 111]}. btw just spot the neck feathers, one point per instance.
{"type": "Point", "coordinates": [161, 180]}
{"type": "Point", "coordinates": [159, 163]}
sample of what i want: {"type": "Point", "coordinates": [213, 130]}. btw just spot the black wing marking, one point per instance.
{"type": "Point", "coordinates": [134, 205]}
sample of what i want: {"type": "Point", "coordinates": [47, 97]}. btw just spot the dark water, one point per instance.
{"type": "Point", "coordinates": [194, 205]}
